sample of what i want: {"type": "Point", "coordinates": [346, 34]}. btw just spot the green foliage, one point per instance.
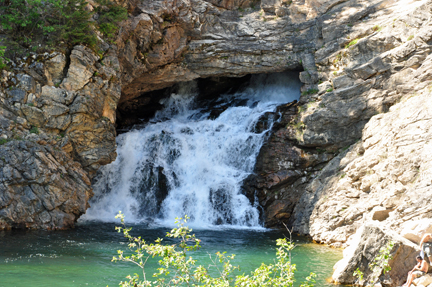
{"type": "Point", "coordinates": [358, 274]}
{"type": "Point", "coordinates": [352, 43]}
{"type": "Point", "coordinates": [110, 15]}
{"type": "Point", "coordinates": [310, 281]}
{"type": "Point", "coordinates": [329, 90]}
{"type": "Point", "coordinates": [177, 268]}
{"type": "Point", "coordinates": [410, 37]}
{"type": "Point", "coordinates": [49, 20]}
{"type": "Point", "coordinates": [34, 130]}
{"type": "Point", "coordinates": [309, 92]}
{"type": "Point", "coordinates": [58, 21]}
{"type": "Point", "coordinates": [3, 141]}
{"type": "Point", "coordinates": [381, 261]}
{"type": "Point", "coordinates": [2, 58]}
{"type": "Point", "coordinates": [75, 26]}
{"type": "Point", "coordinates": [383, 258]}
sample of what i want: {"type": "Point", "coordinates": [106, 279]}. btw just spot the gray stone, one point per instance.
{"type": "Point", "coordinates": [17, 95]}
{"type": "Point", "coordinates": [26, 83]}
{"type": "Point", "coordinates": [59, 122]}
{"type": "Point", "coordinates": [364, 248]}
{"type": "Point", "coordinates": [54, 69]}
{"type": "Point", "coordinates": [34, 116]}
{"type": "Point", "coordinates": [57, 94]}
{"type": "Point", "coordinates": [342, 82]}
{"type": "Point", "coordinates": [81, 68]}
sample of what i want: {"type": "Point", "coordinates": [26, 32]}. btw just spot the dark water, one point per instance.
{"type": "Point", "coordinates": [82, 256]}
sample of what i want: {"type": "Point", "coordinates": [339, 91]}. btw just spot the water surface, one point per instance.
{"type": "Point", "coordinates": [82, 256]}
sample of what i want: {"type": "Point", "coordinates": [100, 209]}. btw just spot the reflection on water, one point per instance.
{"type": "Point", "coordinates": [82, 257]}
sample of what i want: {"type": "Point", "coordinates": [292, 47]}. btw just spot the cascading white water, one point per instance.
{"type": "Point", "coordinates": [184, 162]}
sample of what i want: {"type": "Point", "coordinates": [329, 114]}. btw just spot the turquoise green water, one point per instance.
{"type": "Point", "coordinates": [82, 256]}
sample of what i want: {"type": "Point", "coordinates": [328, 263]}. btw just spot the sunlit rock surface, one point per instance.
{"type": "Point", "coordinates": [354, 149]}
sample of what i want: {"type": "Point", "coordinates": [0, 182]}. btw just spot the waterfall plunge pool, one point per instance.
{"type": "Point", "coordinates": [188, 159]}
{"type": "Point", "coordinates": [82, 256]}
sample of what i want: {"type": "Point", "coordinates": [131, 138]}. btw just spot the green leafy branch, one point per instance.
{"type": "Point", "coordinates": [177, 268]}
{"type": "Point", "coordinates": [381, 261]}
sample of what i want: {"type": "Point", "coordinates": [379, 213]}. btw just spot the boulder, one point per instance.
{"type": "Point", "coordinates": [45, 190]}
{"type": "Point", "coordinates": [414, 230]}
{"type": "Point", "coordinates": [424, 281]}
{"type": "Point", "coordinates": [365, 246]}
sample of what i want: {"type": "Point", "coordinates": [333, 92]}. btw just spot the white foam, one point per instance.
{"type": "Point", "coordinates": [204, 161]}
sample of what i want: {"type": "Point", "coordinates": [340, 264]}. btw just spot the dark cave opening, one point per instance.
{"type": "Point", "coordinates": [140, 110]}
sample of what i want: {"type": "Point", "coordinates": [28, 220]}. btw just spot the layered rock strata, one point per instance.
{"type": "Point", "coordinates": [358, 58]}
{"type": "Point", "coordinates": [57, 129]}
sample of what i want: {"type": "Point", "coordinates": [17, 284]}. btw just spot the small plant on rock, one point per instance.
{"type": "Point", "coordinates": [34, 130]}
{"type": "Point", "coordinates": [352, 43]}
{"type": "Point", "coordinates": [309, 92]}
{"type": "Point", "coordinates": [377, 28]}
{"type": "Point", "coordinates": [358, 274]}
{"type": "Point", "coordinates": [383, 258]}
{"type": "Point", "coordinates": [110, 15]}
{"type": "Point", "coordinates": [2, 58]}
{"type": "Point", "coordinates": [381, 261]}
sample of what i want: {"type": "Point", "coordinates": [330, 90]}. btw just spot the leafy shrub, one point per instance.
{"type": "Point", "coordinates": [57, 21]}
{"type": "Point", "coordinates": [110, 15]}
{"type": "Point", "coordinates": [179, 269]}
{"type": "Point", "coordinates": [49, 20]}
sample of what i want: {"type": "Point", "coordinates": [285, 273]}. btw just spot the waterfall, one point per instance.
{"type": "Point", "coordinates": [190, 160]}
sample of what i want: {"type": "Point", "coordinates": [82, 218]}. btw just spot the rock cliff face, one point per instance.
{"type": "Point", "coordinates": [354, 149]}
{"type": "Point", "coordinates": [57, 129]}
